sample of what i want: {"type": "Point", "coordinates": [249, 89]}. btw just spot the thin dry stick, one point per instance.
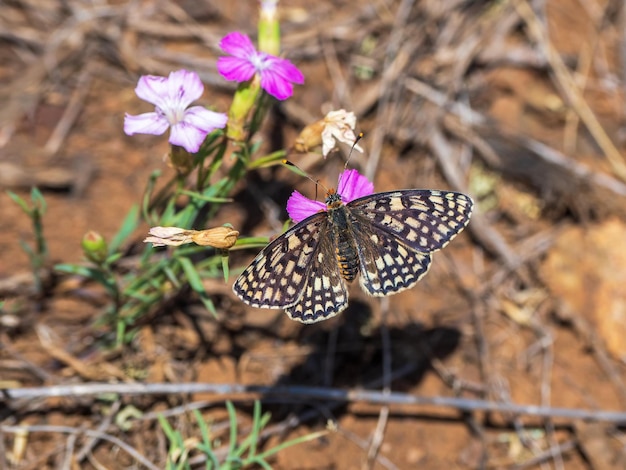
{"type": "Point", "coordinates": [74, 106]}
{"type": "Point", "coordinates": [585, 331]}
{"type": "Point", "coordinates": [4, 464]}
{"type": "Point", "coordinates": [69, 452]}
{"type": "Point", "coordinates": [546, 394]}
{"type": "Point", "coordinates": [550, 155]}
{"type": "Point", "coordinates": [341, 90]}
{"type": "Point", "coordinates": [546, 455]}
{"type": "Point", "coordinates": [545, 344]}
{"type": "Point", "coordinates": [25, 365]}
{"type": "Point", "coordinates": [585, 61]}
{"type": "Point", "coordinates": [383, 417]}
{"type": "Point", "coordinates": [69, 430]}
{"type": "Point", "coordinates": [394, 63]}
{"type": "Point", "coordinates": [104, 425]}
{"type": "Point", "coordinates": [488, 237]}
{"type": "Point", "coordinates": [568, 86]}
{"type": "Point", "coordinates": [308, 393]}
{"type": "Point", "coordinates": [363, 444]}
{"type": "Point", "coordinates": [329, 362]}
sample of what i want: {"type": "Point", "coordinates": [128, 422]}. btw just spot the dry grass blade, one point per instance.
{"type": "Point", "coordinates": [570, 89]}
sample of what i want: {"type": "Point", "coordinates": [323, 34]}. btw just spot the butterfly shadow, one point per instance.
{"type": "Point", "coordinates": [348, 353]}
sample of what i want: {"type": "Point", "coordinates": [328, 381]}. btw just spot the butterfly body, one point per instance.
{"type": "Point", "coordinates": [387, 238]}
{"type": "Point", "coordinates": [341, 231]}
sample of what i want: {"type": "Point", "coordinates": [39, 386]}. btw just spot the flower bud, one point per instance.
{"type": "Point", "coordinates": [94, 247]}
{"type": "Point", "coordinates": [269, 28]}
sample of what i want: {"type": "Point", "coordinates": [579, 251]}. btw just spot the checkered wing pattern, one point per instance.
{"type": "Point", "coordinates": [298, 272]}
{"type": "Point", "coordinates": [395, 232]}
{"type": "Point", "coordinates": [325, 293]}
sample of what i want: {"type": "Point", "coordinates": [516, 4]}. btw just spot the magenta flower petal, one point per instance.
{"type": "Point", "coordinates": [238, 45]}
{"type": "Point", "coordinates": [234, 68]}
{"type": "Point", "coordinates": [300, 207]}
{"type": "Point", "coordinates": [275, 85]}
{"type": "Point", "coordinates": [287, 70]}
{"type": "Point", "coordinates": [353, 185]}
{"type": "Point", "coordinates": [147, 123]}
{"type": "Point", "coordinates": [277, 75]}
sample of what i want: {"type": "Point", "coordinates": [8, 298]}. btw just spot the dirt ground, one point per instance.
{"type": "Point", "coordinates": [518, 103]}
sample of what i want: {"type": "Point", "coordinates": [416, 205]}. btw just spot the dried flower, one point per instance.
{"type": "Point", "coordinates": [171, 97]}
{"type": "Point", "coordinates": [277, 75]}
{"type": "Point", "coordinates": [218, 237]}
{"type": "Point", "coordinates": [336, 126]}
{"type": "Point", "coordinates": [352, 185]}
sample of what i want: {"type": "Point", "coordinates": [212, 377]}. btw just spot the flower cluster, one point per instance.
{"type": "Point", "coordinates": [189, 126]}
{"type": "Point", "coordinates": [172, 95]}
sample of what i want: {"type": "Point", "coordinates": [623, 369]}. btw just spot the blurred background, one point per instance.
{"type": "Point", "coordinates": [519, 104]}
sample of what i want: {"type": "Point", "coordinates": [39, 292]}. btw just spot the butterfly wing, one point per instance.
{"type": "Point", "coordinates": [425, 220]}
{"type": "Point", "coordinates": [396, 232]}
{"type": "Point", "coordinates": [325, 293]}
{"type": "Point", "coordinates": [298, 272]}
{"type": "Point", "coordinates": [387, 264]}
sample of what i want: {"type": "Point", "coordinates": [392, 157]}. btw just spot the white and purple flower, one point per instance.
{"type": "Point", "coordinates": [277, 75]}
{"type": "Point", "coordinates": [352, 185]}
{"type": "Point", "coordinates": [171, 97]}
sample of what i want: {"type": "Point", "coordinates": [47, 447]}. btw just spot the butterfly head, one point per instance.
{"type": "Point", "coordinates": [333, 199]}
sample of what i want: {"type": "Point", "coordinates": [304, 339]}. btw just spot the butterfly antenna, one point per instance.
{"type": "Point", "coordinates": [356, 141]}
{"type": "Point", "coordinates": [301, 172]}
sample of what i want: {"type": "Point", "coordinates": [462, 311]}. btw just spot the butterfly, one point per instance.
{"type": "Point", "coordinates": [387, 238]}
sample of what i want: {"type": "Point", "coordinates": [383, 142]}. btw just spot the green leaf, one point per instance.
{"type": "Point", "coordinates": [232, 417]}
{"type": "Point", "coordinates": [167, 428]}
{"type": "Point", "coordinates": [225, 267]}
{"type": "Point", "coordinates": [205, 446]}
{"type": "Point", "coordinates": [192, 275]}
{"type": "Point", "coordinates": [292, 442]}
{"type": "Point", "coordinates": [201, 197]}
{"type": "Point", "coordinates": [39, 203]}
{"type": "Point", "coordinates": [269, 160]}
{"type": "Point", "coordinates": [250, 242]}
{"type": "Point", "coordinates": [20, 202]}
{"type": "Point", "coordinates": [27, 249]}
{"type": "Point", "coordinates": [128, 227]}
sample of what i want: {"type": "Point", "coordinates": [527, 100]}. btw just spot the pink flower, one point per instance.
{"type": "Point", "coordinates": [352, 185]}
{"type": "Point", "coordinates": [171, 97]}
{"type": "Point", "coordinates": [277, 75]}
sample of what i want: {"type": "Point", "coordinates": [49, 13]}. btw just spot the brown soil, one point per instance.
{"type": "Point", "coordinates": [527, 306]}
